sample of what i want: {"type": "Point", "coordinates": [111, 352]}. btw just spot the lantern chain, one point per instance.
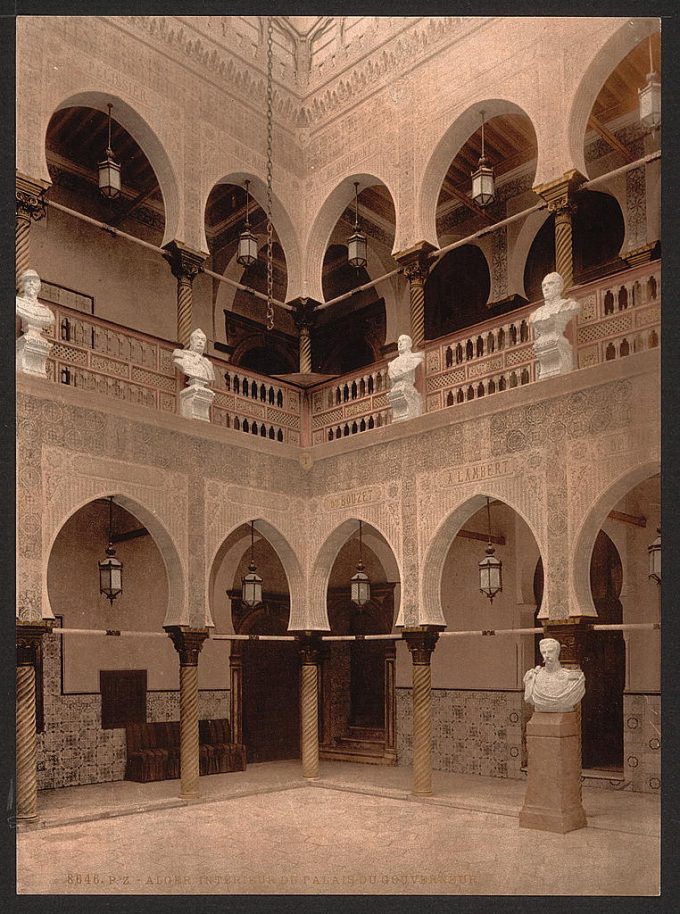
{"type": "Point", "coordinates": [270, 227]}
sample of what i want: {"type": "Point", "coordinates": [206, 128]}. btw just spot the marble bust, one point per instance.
{"type": "Point", "coordinates": [553, 350]}
{"type": "Point", "coordinates": [35, 317]}
{"type": "Point", "coordinates": [551, 687]}
{"type": "Point", "coordinates": [32, 348]}
{"type": "Point", "coordinates": [193, 363]}
{"type": "Point", "coordinates": [404, 399]}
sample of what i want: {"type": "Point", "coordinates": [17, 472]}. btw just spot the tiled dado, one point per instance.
{"type": "Point", "coordinates": [642, 742]}
{"type": "Point", "coordinates": [73, 749]}
{"type": "Point", "coordinates": [472, 732]}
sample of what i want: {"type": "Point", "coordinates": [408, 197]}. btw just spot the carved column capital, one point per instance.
{"type": "Point", "coordinates": [421, 643]}
{"type": "Point", "coordinates": [185, 263]}
{"type": "Point", "coordinates": [559, 193]}
{"type": "Point", "coordinates": [304, 313]}
{"type": "Point", "coordinates": [310, 645]}
{"type": "Point", "coordinates": [29, 640]}
{"type": "Point", "coordinates": [415, 261]}
{"type": "Point", "coordinates": [30, 193]}
{"type": "Point", "coordinates": [187, 642]}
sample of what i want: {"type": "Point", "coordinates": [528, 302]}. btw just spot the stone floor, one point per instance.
{"type": "Point", "coordinates": [356, 830]}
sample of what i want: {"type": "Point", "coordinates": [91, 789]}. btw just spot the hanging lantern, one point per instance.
{"type": "Point", "coordinates": [247, 243]}
{"type": "Point", "coordinates": [649, 98]}
{"type": "Point", "coordinates": [251, 584]}
{"type": "Point", "coordinates": [110, 569]}
{"type": "Point", "coordinates": [490, 568]}
{"type": "Point", "coordinates": [109, 170]}
{"type": "Point", "coordinates": [483, 185]}
{"type": "Point", "coordinates": [654, 550]}
{"type": "Point", "coordinates": [360, 584]}
{"type": "Point", "coordinates": [357, 247]}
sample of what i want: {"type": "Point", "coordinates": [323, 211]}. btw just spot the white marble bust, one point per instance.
{"type": "Point", "coordinates": [548, 322]}
{"type": "Point", "coordinates": [405, 400]}
{"type": "Point", "coordinates": [551, 687]}
{"type": "Point", "coordinates": [193, 363]}
{"type": "Point", "coordinates": [35, 317]}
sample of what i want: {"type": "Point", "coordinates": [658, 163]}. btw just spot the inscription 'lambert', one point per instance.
{"type": "Point", "coordinates": [475, 472]}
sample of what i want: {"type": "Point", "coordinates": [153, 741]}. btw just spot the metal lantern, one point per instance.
{"type": "Point", "coordinates": [483, 184]}
{"type": "Point", "coordinates": [110, 569]}
{"type": "Point", "coordinates": [649, 98]}
{"type": "Point", "coordinates": [251, 584]}
{"type": "Point", "coordinates": [654, 550]}
{"type": "Point", "coordinates": [361, 586]}
{"type": "Point", "coordinates": [247, 243]}
{"type": "Point", "coordinates": [109, 170]}
{"type": "Point", "coordinates": [357, 247]}
{"type": "Point", "coordinates": [490, 568]}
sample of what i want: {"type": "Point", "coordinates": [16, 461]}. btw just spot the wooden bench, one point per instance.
{"type": "Point", "coordinates": [153, 750]}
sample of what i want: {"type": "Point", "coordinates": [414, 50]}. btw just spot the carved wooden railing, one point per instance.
{"type": "Point", "coordinates": [620, 315]}
{"type": "Point", "coordinates": [96, 355]}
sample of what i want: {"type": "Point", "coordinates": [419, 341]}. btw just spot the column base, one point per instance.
{"type": "Point", "coordinates": [553, 796]}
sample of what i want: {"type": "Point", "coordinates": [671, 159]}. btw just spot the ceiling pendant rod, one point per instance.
{"type": "Point", "coordinates": [270, 131]}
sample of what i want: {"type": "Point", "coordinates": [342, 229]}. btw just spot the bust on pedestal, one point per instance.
{"type": "Point", "coordinates": [196, 398]}
{"type": "Point", "coordinates": [32, 347]}
{"type": "Point", "coordinates": [553, 797]}
{"type": "Point", "coordinates": [553, 350]}
{"type": "Point", "coordinates": [403, 397]}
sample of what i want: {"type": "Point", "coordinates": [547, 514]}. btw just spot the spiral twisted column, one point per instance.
{"type": "Point", "coordinates": [421, 643]}
{"type": "Point", "coordinates": [185, 264]}
{"type": "Point", "coordinates": [30, 206]}
{"type": "Point", "coordinates": [559, 195]}
{"type": "Point", "coordinates": [304, 316]}
{"type": "Point", "coordinates": [188, 644]}
{"type": "Point", "coordinates": [416, 266]}
{"type": "Point", "coordinates": [309, 704]}
{"type": "Point", "coordinates": [29, 637]}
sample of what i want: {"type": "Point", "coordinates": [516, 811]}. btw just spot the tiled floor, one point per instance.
{"type": "Point", "coordinates": [355, 831]}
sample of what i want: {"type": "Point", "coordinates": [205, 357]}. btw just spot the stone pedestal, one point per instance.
{"type": "Point", "coordinates": [405, 404]}
{"type": "Point", "coordinates": [32, 351]}
{"type": "Point", "coordinates": [195, 402]}
{"type": "Point", "coordinates": [553, 797]}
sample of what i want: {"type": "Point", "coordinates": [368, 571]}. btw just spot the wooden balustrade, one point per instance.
{"type": "Point", "coordinates": [620, 315]}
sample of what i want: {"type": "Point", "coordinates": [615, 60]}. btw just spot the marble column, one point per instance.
{"type": "Point", "coordinates": [188, 643]}
{"type": "Point", "coordinates": [304, 317]}
{"type": "Point", "coordinates": [30, 206]}
{"type": "Point", "coordinates": [236, 692]}
{"type": "Point", "coordinates": [185, 265]}
{"type": "Point", "coordinates": [310, 649]}
{"type": "Point", "coordinates": [559, 195]}
{"type": "Point", "coordinates": [390, 701]}
{"type": "Point", "coordinates": [416, 267]}
{"type": "Point", "coordinates": [29, 641]}
{"type": "Point", "coordinates": [421, 643]}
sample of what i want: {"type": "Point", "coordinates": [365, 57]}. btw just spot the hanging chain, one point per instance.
{"type": "Point", "coordinates": [270, 227]}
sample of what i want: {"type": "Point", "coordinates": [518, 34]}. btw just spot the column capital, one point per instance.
{"type": "Point", "coordinates": [310, 645]}
{"type": "Point", "coordinates": [415, 260]}
{"type": "Point", "coordinates": [641, 254]}
{"type": "Point", "coordinates": [185, 263]}
{"type": "Point", "coordinates": [29, 637]}
{"type": "Point", "coordinates": [558, 193]}
{"type": "Point", "coordinates": [30, 194]}
{"type": "Point", "coordinates": [421, 642]}
{"type": "Point", "coordinates": [304, 311]}
{"type": "Point", "coordinates": [187, 642]}
{"type": "Point", "coordinates": [571, 633]}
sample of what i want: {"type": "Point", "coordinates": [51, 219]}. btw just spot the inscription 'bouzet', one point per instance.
{"type": "Point", "coordinates": [474, 472]}
{"type": "Point", "coordinates": [350, 499]}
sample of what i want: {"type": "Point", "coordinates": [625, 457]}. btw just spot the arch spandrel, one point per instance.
{"type": "Point", "coordinates": [157, 498]}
